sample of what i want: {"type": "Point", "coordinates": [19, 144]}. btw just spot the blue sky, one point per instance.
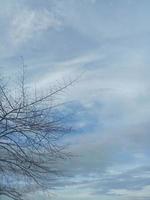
{"type": "Point", "coordinates": [109, 42]}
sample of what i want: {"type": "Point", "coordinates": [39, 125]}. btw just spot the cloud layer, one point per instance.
{"type": "Point", "coordinates": [108, 43]}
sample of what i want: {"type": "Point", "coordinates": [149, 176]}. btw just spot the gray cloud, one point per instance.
{"type": "Point", "coordinates": [109, 41]}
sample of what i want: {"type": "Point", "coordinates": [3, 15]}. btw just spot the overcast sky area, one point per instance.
{"type": "Point", "coordinates": [108, 42]}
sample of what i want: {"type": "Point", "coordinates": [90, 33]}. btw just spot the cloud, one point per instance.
{"type": "Point", "coordinates": [126, 185]}
{"type": "Point", "coordinates": [27, 23]}
{"type": "Point", "coordinates": [111, 101]}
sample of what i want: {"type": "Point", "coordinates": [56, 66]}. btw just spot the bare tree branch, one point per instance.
{"type": "Point", "coordinates": [30, 133]}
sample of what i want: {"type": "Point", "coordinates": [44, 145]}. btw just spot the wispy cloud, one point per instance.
{"type": "Point", "coordinates": [27, 23]}
{"type": "Point", "coordinates": [109, 41]}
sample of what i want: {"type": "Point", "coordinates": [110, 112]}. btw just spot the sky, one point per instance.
{"type": "Point", "coordinates": [107, 42]}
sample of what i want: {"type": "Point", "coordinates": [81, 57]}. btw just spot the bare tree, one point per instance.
{"type": "Point", "coordinates": [30, 133]}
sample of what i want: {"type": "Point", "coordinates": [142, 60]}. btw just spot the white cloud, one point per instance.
{"type": "Point", "coordinates": [27, 23]}
{"type": "Point", "coordinates": [115, 87]}
{"type": "Point", "coordinates": [143, 193]}
{"type": "Point", "coordinates": [65, 70]}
